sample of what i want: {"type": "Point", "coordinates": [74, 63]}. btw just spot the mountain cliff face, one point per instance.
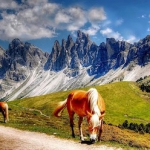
{"type": "Point", "coordinates": [84, 53]}
{"type": "Point", "coordinates": [18, 62]}
{"type": "Point", "coordinates": [25, 69]}
{"type": "Point", "coordinates": [20, 58]}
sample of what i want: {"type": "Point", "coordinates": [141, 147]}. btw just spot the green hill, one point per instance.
{"type": "Point", "coordinates": [124, 101]}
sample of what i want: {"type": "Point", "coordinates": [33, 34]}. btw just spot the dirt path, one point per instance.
{"type": "Point", "coordinates": [14, 139]}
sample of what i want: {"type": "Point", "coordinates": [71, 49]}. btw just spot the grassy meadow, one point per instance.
{"type": "Point", "coordinates": [124, 101]}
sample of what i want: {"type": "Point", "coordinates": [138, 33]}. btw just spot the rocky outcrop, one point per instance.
{"type": "Point", "coordinates": [2, 51]}
{"type": "Point", "coordinates": [21, 58]}
{"type": "Point", "coordinates": [143, 53]}
{"type": "Point", "coordinates": [85, 53]}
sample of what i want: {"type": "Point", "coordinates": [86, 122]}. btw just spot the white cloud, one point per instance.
{"type": "Point", "coordinates": [71, 19]}
{"type": "Point", "coordinates": [8, 4]}
{"type": "Point", "coordinates": [32, 22]}
{"type": "Point", "coordinates": [92, 30]}
{"type": "Point", "coordinates": [148, 29]}
{"type": "Point", "coordinates": [96, 15]}
{"type": "Point", "coordinates": [62, 17]}
{"type": "Point", "coordinates": [119, 22]}
{"type": "Point", "coordinates": [24, 25]}
{"type": "Point", "coordinates": [131, 39]}
{"type": "Point", "coordinates": [12, 27]}
{"type": "Point", "coordinates": [35, 2]}
{"type": "Point", "coordinates": [37, 19]}
{"type": "Point", "coordinates": [78, 16]}
{"type": "Point", "coordinates": [108, 32]}
{"type": "Point", "coordinates": [106, 23]}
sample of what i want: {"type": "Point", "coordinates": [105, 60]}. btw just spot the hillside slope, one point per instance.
{"type": "Point", "coordinates": [124, 101]}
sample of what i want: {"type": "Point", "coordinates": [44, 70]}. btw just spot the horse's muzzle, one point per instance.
{"type": "Point", "coordinates": [92, 141]}
{"type": "Point", "coordinates": [93, 138]}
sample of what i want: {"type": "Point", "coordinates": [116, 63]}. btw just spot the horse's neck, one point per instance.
{"type": "Point", "coordinates": [96, 110]}
{"type": "Point", "coordinates": [93, 98]}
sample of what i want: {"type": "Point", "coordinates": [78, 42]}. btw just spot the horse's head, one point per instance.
{"type": "Point", "coordinates": [94, 125]}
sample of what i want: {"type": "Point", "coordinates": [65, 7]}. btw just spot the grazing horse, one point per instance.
{"type": "Point", "coordinates": [89, 104]}
{"type": "Point", "coordinates": [4, 110]}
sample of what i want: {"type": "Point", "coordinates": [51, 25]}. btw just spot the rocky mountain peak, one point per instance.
{"type": "Point", "coordinates": [63, 42]}
{"type": "Point", "coordinates": [79, 34]}
{"type": "Point", "coordinates": [1, 51]}
{"type": "Point", "coordinates": [148, 37]}
{"type": "Point", "coordinates": [69, 39]}
{"type": "Point", "coordinates": [56, 44]}
{"type": "Point", "coordinates": [14, 44]}
{"type": "Point", "coordinates": [83, 38]}
{"type": "Point", "coordinates": [21, 57]}
{"type": "Point", "coordinates": [112, 47]}
{"type": "Point", "coordinates": [77, 59]}
{"type": "Point", "coordinates": [103, 45]}
{"type": "Point", "coordinates": [69, 44]}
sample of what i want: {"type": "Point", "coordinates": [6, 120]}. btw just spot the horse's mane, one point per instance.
{"type": "Point", "coordinates": [93, 98]}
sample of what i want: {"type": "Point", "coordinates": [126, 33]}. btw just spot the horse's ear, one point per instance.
{"type": "Point", "coordinates": [101, 116]}
{"type": "Point", "coordinates": [89, 114]}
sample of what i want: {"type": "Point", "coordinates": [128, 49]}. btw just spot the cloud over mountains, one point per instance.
{"type": "Point", "coordinates": [40, 18]}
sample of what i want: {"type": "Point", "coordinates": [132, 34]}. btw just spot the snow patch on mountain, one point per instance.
{"type": "Point", "coordinates": [42, 82]}
{"type": "Point", "coordinates": [137, 72]}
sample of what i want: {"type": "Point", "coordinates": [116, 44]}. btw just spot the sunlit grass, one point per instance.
{"type": "Point", "coordinates": [124, 101]}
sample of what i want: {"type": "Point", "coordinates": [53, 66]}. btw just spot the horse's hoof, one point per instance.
{"type": "Point", "coordinates": [82, 140]}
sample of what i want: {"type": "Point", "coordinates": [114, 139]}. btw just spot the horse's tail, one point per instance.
{"type": "Point", "coordinates": [59, 109]}
{"type": "Point", "coordinates": [6, 112]}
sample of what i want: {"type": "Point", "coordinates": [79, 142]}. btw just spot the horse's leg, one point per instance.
{"type": "Point", "coordinates": [71, 115]}
{"type": "Point", "coordinates": [4, 115]}
{"type": "Point", "coordinates": [100, 130]}
{"type": "Point", "coordinates": [80, 128]}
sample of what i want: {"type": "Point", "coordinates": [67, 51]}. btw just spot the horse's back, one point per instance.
{"type": "Point", "coordinates": [2, 105]}
{"type": "Point", "coordinates": [101, 104]}
{"type": "Point", "coordinates": [78, 102]}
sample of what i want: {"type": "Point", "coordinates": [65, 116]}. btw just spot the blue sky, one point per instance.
{"type": "Point", "coordinates": [41, 22]}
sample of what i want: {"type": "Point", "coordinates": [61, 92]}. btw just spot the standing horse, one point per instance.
{"type": "Point", "coordinates": [4, 110]}
{"type": "Point", "coordinates": [88, 104]}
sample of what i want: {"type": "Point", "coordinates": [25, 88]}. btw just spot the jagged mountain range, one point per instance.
{"type": "Point", "coordinates": [27, 71]}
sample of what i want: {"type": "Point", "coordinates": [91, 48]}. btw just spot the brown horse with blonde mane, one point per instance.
{"type": "Point", "coordinates": [89, 104]}
{"type": "Point", "coordinates": [4, 110]}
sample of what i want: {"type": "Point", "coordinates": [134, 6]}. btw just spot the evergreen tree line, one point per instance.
{"type": "Point", "coordinates": [141, 128]}
{"type": "Point", "coordinates": [145, 88]}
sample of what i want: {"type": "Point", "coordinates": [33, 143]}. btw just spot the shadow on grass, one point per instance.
{"type": "Point", "coordinates": [2, 122]}
{"type": "Point", "coordinates": [86, 142]}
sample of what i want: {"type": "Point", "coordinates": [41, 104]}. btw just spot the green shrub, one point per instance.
{"type": "Point", "coordinates": [141, 128]}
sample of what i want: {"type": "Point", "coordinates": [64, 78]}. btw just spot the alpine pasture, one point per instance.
{"type": "Point", "coordinates": [124, 101]}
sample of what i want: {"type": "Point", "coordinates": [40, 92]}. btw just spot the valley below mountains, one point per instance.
{"type": "Point", "coordinates": [27, 71]}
